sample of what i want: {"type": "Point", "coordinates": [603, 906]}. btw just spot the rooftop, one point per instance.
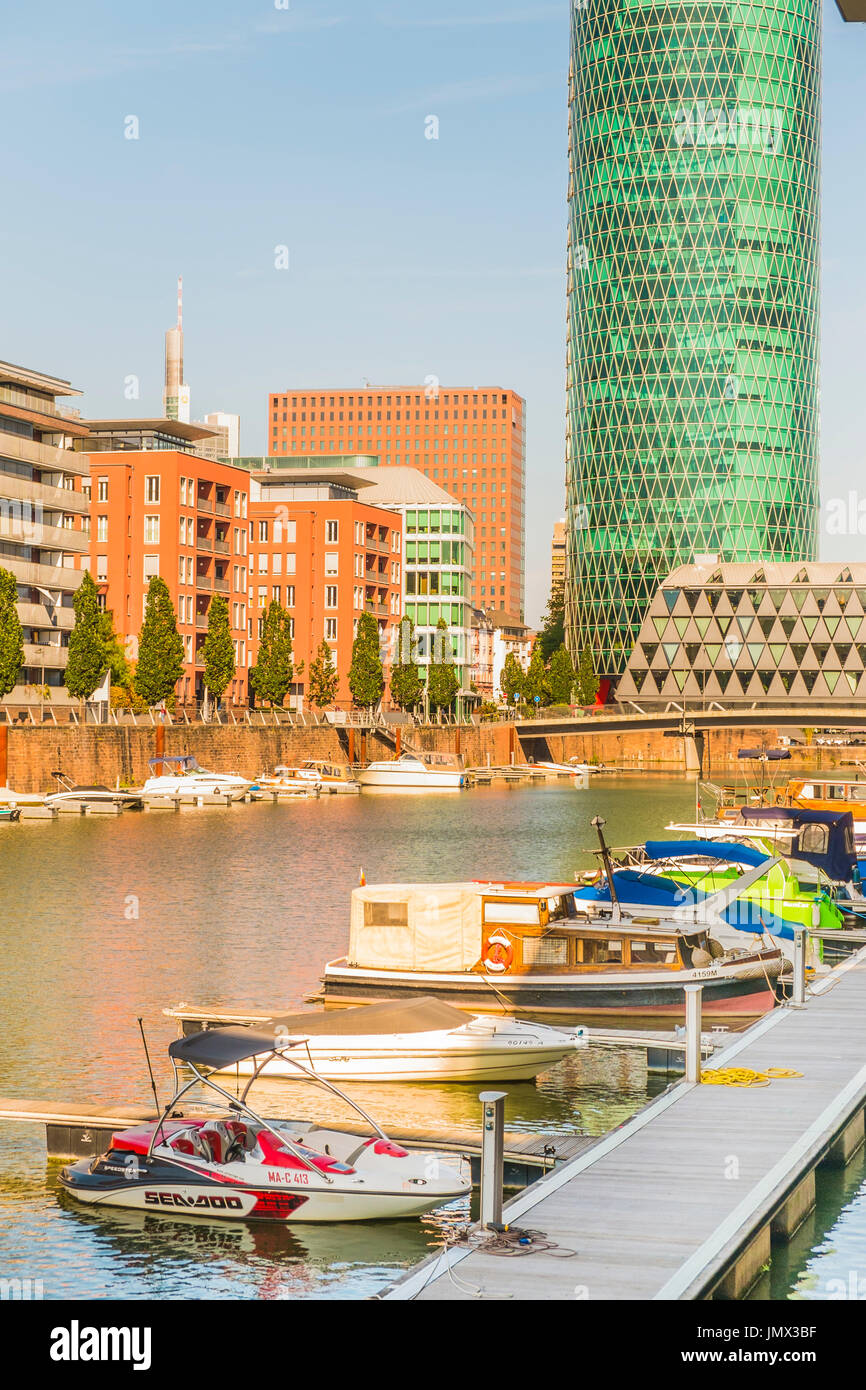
{"type": "Point", "coordinates": [404, 487]}
{"type": "Point", "coordinates": [179, 429]}
{"type": "Point", "coordinates": [778, 575]}
{"type": "Point", "coordinates": [10, 375]}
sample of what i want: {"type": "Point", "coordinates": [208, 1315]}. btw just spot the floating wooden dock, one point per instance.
{"type": "Point", "coordinates": [685, 1199]}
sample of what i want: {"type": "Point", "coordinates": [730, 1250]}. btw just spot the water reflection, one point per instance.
{"type": "Point", "coordinates": [107, 919]}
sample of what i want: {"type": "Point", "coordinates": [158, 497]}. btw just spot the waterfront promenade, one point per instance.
{"type": "Point", "coordinates": [684, 1200]}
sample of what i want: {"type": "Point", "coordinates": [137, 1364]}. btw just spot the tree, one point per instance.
{"type": "Point", "coordinates": [11, 633]}
{"type": "Point", "coordinates": [116, 660]}
{"type": "Point", "coordinates": [88, 656]}
{"type": "Point", "coordinates": [513, 677]}
{"type": "Point", "coordinates": [366, 676]}
{"type": "Point", "coordinates": [324, 678]}
{"type": "Point", "coordinates": [586, 681]}
{"type": "Point", "coordinates": [536, 687]}
{"type": "Point", "coordinates": [160, 647]}
{"type": "Point", "coordinates": [443, 681]}
{"type": "Point", "coordinates": [272, 674]}
{"type": "Point", "coordinates": [219, 651]}
{"type": "Point", "coordinates": [407, 687]}
{"type": "Point", "coordinates": [561, 677]}
{"type": "Point", "coordinates": [552, 633]}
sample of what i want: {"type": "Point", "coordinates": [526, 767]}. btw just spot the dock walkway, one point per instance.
{"type": "Point", "coordinates": [680, 1202]}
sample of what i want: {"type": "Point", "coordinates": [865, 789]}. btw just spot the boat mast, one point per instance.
{"type": "Point", "coordinates": [599, 824]}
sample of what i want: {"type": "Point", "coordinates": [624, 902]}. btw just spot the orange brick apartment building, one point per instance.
{"type": "Point", "coordinates": [471, 442]}
{"type": "Point", "coordinates": [326, 556]}
{"type": "Point", "coordinates": [185, 518]}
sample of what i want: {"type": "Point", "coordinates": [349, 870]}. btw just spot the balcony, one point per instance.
{"type": "Point", "coordinates": [203, 543]}
{"type": "Point", "coordinates": [221, 585]}
{"type": "Point", "coordinates": [203, 582]}
{"type": "Point", "coordinates": [49, 577]}
{"type": "Point", "coordinates": [204, 504]}
{"type": "Point", "coordinates": [221, 547]}
{"type": "Point", "coordinates": [41, 616]}
{"type": "Point", "coordinates": [373, 543]}
{"type": "Point", "coordinates": [380, 609]}
{"type": "Point", "coordinates": [44, 655]}
{"type": "Point", "coordinates": [25, 531]}
{"type": "Point", "coordinates": [222, 509]}
{"type": "Point", "coordinates": [45, 456]}
{"type": "Point", "coordinates": [55, 499]}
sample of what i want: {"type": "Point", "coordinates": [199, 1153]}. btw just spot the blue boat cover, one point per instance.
{"type": "Point", "coordinates": [681, 849]}
{"type": "Point", "coordinates": [835, 852]}
{"type": "Point", "coordinates": [635, 888]}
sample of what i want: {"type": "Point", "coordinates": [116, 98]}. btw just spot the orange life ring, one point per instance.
{"type": "Point", "coordinates": [499, 954]}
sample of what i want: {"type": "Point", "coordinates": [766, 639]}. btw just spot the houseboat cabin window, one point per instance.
{"type": "Point", "coordinates": [835, 791]}
{"type": "Point", "coordinates": [814, 839]}
{"type": "Point", "coordinates": [599, 952]}
{"type": "Point", "coordinates": [857, 791]}
{"type": "Point", "coordinates": [545, 950]}
{"type": "Point", "coordinates": [560, 909]}
{"type": "Point", "coordinates": [807, 791]}
{"type": "Point", "coordinates": [653, 952]}
{"type": "Point", "coordinates": [527, 913]}
{"type": "Point", "coordinates": [386, 914]}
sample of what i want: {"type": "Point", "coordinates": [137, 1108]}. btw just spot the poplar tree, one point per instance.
{"type": "Point", "coordinates": [535, 682]}
{"type": "Point", "coordinates": [443, 681]}
{"type": "Point", "coordinates": [513, 677]}
{"type": "Point", "coordinates": [11, 633]}
{"type": "Point", "coordinates": [271, 677]}
{"type": "Point", "coordinates": [324, 679]}
{"type": "Point", "coordinates": [219, 651]}
{"type": "Point", "coordinates": [406, 684]}
{"type": "Point", "coordinates": [160, 647]}
{"type": "Point", "coordinates": [88, 656]}
{"type": "Point", "coordinates": [561, 677]}
{"type": "Point", "coordinates": [366, 675]}
{"type": "Point", "coordinates": [586, 681]}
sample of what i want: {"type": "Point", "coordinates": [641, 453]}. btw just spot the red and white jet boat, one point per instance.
{"type": "Point", "coordinates": [240, 1166]}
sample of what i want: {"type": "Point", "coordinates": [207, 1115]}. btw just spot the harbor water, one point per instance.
{"type": "Point", "coordinates": [105, 920]}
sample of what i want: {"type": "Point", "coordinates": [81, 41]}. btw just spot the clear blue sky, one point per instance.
{"type": "Point", "coordinates": [409, 257]}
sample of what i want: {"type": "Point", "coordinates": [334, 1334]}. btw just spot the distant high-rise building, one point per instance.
{"type": "Point", "coordinates": [175, 396]}
{"type": "Point", "coordinates": [692, 370]}
{"type": "Point", "coordinates": [470, 441]}
{"type": "Point", "coordinates": [226, 439]}
{"type": "Point", "coordinates": [557, 554]}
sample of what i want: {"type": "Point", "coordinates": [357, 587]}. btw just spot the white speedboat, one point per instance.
{"type": "Point", "coordinates": [187, 782]}
{"type": "Point", "coordinates": [413, 1040]}
{"type": "Point", "coordinates": [410, 771]}
{"type": "Point", "coordinates": [76, 799]}
{"type": "Point", "coordinates": [289, 781]}
{"type": "Point", "coordinates": [241, 1166]}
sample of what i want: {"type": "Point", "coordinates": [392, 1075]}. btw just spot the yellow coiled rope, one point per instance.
{"type": "Point", "coordinates": [744, 1076]}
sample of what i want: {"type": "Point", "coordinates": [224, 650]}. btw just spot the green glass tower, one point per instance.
{"type": "Point", "coordinates": [694, 142]}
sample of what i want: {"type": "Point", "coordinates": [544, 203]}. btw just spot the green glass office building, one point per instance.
{"type": "Point", "coordinates": [694, 142]}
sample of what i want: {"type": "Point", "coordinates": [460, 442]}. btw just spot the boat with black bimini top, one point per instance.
{"type": "Point", "coordinates": [229, 1162]}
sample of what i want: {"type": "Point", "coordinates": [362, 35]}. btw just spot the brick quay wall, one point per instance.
{"type": "Point", "coordinates": [90, 754]}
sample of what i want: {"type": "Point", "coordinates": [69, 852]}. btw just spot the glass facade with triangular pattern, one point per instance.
{"type": "Point", "coordinates": [692, 298]}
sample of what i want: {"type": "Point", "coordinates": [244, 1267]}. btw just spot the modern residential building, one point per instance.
{"type": "Point", "coordinates": [44, 518]}
{"type": "Point", "coordinates": [168, 512]}
{"type": "Point", "coordinates": [724, 636]}
{"type": "Point", "coordinates": [327, 556]}
{"type": "Point", "coordinates": [472, 442]}
{"type": "Point", "coordinates": [692, 369]}
{"type": "Point", "coordinates": [557, 555]}
{"type": "Point", "coordinates": [438, 547]}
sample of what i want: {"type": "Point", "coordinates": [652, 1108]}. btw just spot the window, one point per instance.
{"type": "Point", "coordinates": [386, 914]}
{"type": "Point", "coordinates": [102, 528]}
{"type": "Point", "coordinates": [331, 629]}
{"type": "Point", "coordinates": [183, 492]}
{"type": "Point", "coordinates": [290, 595]}
{"type": "Point", "coordinates": [653, 953]}
{"type": "Point", "coordinates": [601, 952]}
{"type": "Point", "coordinates": [151, 530]}
{"type": "Point", "coordinates": [263, 563]}
{"type": "Point", "coordinates": [101, 568]}
{"type": "Point", "coordinates": [331, 562]}
{"type": "Point", "coordinates": [332, 532]}
{"type": "Point", "coordinates": [330, 596]}
{"type": "Point", "coordinates": [545, 950]}
{"type": "Point", "coordinates": [151, 487]}
{"type": "Point", "coordinates": [151, 566]}
{"type": "Point", "coordinates": [102, 489]}
{"type": "Point", "coordinates": [263, 532]}
{"type": "Point", "coordinates": [277, 564]}
{"type": "Point", "coordinates": [275, 592]}
{"type": "Point", "coordinates": [814, 839]}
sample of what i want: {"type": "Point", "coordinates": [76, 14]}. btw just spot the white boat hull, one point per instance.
{"type": "Point", "coordinates": [425, 781]}
{"type": "Point", "coordinates": [518, 1053]}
